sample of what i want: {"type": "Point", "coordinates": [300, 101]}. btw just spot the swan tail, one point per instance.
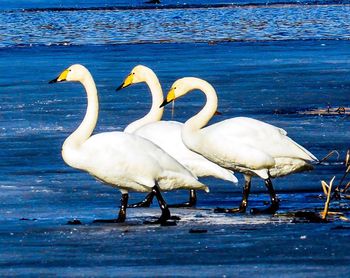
{"type": "Point", "coordinates": [225, 174]}
{"type": "Point", "coordinates": [263, 173]}
{"type": "Point", "coordinates": [174, 181]}
{"type": "Point", "coordinates": [232, 178]}
{"type": "Point", "coordinates": [210, 169]}
{"type": "Point", "coordinates": [303, 152]}
{"type": "Point", "coordinates": [285, 166]}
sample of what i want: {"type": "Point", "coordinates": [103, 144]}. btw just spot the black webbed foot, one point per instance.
{"type": "Point", "coordinates": [244, 203]}
{"type": "Point", "coordinates": [274, 201]}
{"type": "Point", "coordinates": [163, 221]}
{"type": "Point", "coordinates": [122, 212]}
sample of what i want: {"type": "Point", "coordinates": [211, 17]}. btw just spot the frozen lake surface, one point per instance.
{"type": "Point", "coordinates": [229, 246]}
{"type": "Point", "coordinates": [269, 63]}
{"type": "Point", "coordinates": [268, 81]}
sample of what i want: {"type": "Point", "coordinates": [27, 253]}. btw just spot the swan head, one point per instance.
{"type": "Point", "coordinates": [179, 88]}
{"type": "Point", "coordinates": [73, 73]}
{"type": "Point", "coordinates": [138, 74]}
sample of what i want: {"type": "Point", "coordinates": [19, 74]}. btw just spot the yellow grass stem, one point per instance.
{"type": "Point", "coordinates": [326, 205]}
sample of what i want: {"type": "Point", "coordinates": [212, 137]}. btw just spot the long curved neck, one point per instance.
{"type": "Point", "coordinates": [156, 113]}
{"type": "Point", "coordinates": [203, 117]}
{"type": "Point", "coordinates": [87, 126]}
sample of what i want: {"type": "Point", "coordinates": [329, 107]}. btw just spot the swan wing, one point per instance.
{"type": "Point", "coordinates": [167, 135]}
{"type": "Point", "coordinates": [262, 136]}
{"type": "Point", "coordinates": [229, 152]}
{"type": "Point", "coordinates": [123, 158]}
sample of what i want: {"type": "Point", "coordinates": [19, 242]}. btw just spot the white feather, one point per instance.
{"type": "Point", "coordinates": [125, 161]}
{"type": "Point", "coordinates": [167, 134]}
{"type": "Point", "coordinates": [240, 144]}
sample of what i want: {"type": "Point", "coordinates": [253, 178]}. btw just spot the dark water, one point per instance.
{"type": "Point", "coordinates": [106, 27]}
{"type": "Point", "coordinates": [265, 62]}
{"type": "Point", "coordinates": [84, 4]}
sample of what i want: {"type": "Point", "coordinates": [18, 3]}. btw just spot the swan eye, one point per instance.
{"type": "Point", "coordinates": [133, 73]}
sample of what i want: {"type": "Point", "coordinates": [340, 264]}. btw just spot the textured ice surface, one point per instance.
{"type": "Point", "coordinates": [270, 81]}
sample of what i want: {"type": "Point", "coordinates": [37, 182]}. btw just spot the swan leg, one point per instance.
{"type": "Point", "coordinates": [146, 203]}
{"type": "Point", "coordinates": [165, 219]}
{"type": "Point", "coordinates": [274, 200]}
{"type": "Point", "coordinates": [243, 206]}
{"type": "Point", "coordinates": [122, 212]}
{"type": "Point", "coordinates": [191, 203]}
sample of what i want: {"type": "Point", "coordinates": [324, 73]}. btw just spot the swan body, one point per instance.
{"type": "Point", "coordinates": [125, 161]}
{"type": "Point", "coordinates": [128, 162]}
{"type": "Point", "coordinates": [241, 144]}
{"type": "Point", "coordinates": [254, 147]}
{"type": "Point", "coordinates": [167, 134]}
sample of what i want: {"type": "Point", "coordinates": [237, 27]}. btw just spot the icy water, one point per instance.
{"type": "Point", "coordinates": [269, 63]}
{"type": "Point", "coordinates": [144, 4]}
{"type": "Point", "coordinates": [225, 24]}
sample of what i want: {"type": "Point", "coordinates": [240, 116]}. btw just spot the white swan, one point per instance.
{"type": "Point", "coordinates": [167, 134]}
{"type": "Point", "coordinates": [241, 144]}
{"type": "Point", "coordinates": [121, 160]}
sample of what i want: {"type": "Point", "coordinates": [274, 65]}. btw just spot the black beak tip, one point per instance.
{"type": "Point", "coordinates": [120, 87]}
{"type": "Point", "coordinates": [53, 81]}
{"type": "Point", "coordinates": [165, 102]}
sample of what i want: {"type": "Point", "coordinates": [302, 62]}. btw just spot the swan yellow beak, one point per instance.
{"type": "Point", "coordinates": [127, 82]}
{"type": "Point", "coordinates": [169, 98]}
{"type": "Point", "coordinates": [61, 77]}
